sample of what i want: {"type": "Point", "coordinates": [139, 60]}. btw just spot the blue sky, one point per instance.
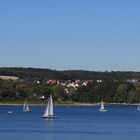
{"type": "Point", "coordinates": [96, 35]}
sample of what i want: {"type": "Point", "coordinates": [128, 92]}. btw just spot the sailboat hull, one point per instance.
{"type": "Point", "coordinates": [103, 110]}
{"type": "Point", "coordinates": [27, 110]}
{"type": "Point", "coordinates": [49, 117]}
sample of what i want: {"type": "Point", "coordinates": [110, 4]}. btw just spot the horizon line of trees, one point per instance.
{"type": "Point", "coordinates": [30, 74]}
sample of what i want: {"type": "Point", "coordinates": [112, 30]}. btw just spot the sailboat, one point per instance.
{"type": "Point", "coordinates": [102, 109]}
{"type": "Point", "coordinates": [48, 113]}
{"type": "Point", "coordinates": [9, 112]}
{"type": "Point", "coordinates": [138, 107]}
{"type": "Point", "coordinates": [26, 107]}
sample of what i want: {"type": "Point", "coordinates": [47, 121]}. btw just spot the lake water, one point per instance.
{"type": "Point", "coordinates": [73, 123]}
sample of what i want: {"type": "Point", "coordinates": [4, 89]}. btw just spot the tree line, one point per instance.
{"type": "Point", "coordinates": [115, 87]}
{"type": "Point", "coordinates": [109, 91]}
{"type": "Point", "coordinates": [30, 74]}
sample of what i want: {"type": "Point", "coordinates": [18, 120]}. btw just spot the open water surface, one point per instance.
{"type": "Point", "coordinates": [73, 123]}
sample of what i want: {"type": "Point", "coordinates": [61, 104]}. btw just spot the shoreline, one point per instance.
{"type": "Point", "coordinates": [66, 104]}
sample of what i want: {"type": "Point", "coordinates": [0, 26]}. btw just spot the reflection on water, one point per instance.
{"type": "Point", "coordinates": [72, 123]}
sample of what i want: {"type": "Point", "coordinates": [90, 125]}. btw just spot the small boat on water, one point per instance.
{"type": "Point", "coordinates": [10, 112]}
{"type": "Point", "coordinates": [102, 108]}
{"type": "Point", "coordinates": [48, 113]}
{"type": "Point", "coordinates": [138, 107]}
{"type": "Point", "coordinates": [26, 107]}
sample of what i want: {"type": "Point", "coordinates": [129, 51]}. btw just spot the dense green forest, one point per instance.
{"type": "Point", "coordinates": [114, 87]}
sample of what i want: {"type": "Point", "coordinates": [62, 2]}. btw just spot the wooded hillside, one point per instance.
{"type": "Point", "coordinates": [72, 85]}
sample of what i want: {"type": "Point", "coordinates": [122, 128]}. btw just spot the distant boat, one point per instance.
{"type": "Point", "coordinates": [26, 107]}
{"type": "Point", "coordinates": [48, 113]}
{"type": "Point", "coordinates": [9, 112]}
{"type": "Point", "coordinates": [138, 107]}
{"type": "Point", "coordinates": [102, 108]}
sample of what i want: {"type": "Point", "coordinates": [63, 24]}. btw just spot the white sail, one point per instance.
{"type": "Point", "coordinates": [102, 109]}
{"type": "Point", "coordinates": [102, 106]}
{"type": "Point", "coordinates": [26, 107]}
{"type": "Point", "coordinates": [138, 107]}
{"type": "Point", "coordinates": [48, 113]}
